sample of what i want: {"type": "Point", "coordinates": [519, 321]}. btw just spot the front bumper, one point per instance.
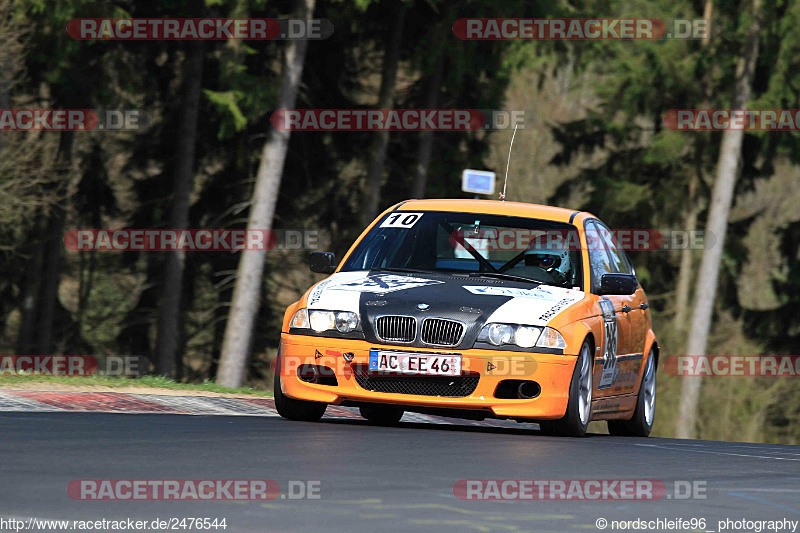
{"type": "Point", "coordinates": [552, 372]}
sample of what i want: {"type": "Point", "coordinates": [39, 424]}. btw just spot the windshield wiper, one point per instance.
{"type": "Point", "coordinates": [404, 270]}
{"type": "Point", "coordinates": [509, 277]}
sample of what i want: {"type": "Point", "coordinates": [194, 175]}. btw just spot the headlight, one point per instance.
{"type": "Point", "coordinates": [525, 336]}
{"type": "Point", "coordinates": [346, 321]}
{"type": "Point", "coordinates": [550, 338]}
{"type": "Point", "coordinates": [319, 321]}
{"type": "Point", "coordinates": [499, 334]}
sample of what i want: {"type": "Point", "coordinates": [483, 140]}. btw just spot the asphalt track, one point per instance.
{"type": "Point", "coordinates": [375, 478]}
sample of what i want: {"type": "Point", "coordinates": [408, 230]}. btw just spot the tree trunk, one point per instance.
{"type": "Point", "coordinates": [687, 254]}
{"type": "Point", "coordinates": [51, 281]}
{"type": "Point", "coordinates": [29, 310]}
{"type": "Point", "coordinates": [687, 261]}
{"type": "Point", "coordinates": [244, 307]}
{"type": "Point", "coordinates": [5, 96]}
{"type": "Point", "coordinates": [377, 153]}
{"type": "Point", "coordinates": [717, 225]}
{"type": "Point", "coordinates": [235, 55]}
{"type": "Point", "coordinates": [425, 150]}
{"type": "Point", "coordinates": [170, 323]}
{"type": "Point", "coordinates": [53, 241]}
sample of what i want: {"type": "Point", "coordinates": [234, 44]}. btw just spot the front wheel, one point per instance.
{"type": "Point", "coordinates": [292, 409]}
{"type": "Point", "coordinates": [579, 409]}
{"type": "Point", "coordinates": [641, 422]}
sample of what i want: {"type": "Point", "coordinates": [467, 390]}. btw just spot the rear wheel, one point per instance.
{"type": "Point", "coordinates": [295, 409]}
{"type": "Point", "coordinates": [579, 409]}
{"type": "Point", "coordinates": [382, 415]}
{"type": "Point", "coordinates": [641, 422]}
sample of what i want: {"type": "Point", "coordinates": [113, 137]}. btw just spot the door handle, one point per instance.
{"type": "Point", "coordinates": [626, 309]}
{"type": "Point", "coordinates": [644, 306]}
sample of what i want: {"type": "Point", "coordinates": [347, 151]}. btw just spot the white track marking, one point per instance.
{"type": "Point", "coordinates": [716, 452]}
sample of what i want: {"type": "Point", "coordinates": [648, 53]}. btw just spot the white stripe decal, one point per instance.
{"type": "Point", "coordinates": [342, 291]}
{"type": "Point", "coordinates": [533, 307]}
{"type": "Point", "coordinates": [324, 297]}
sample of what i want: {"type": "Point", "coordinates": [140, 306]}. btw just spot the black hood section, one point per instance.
{"type": "Point", "coordinates": [446, 299]}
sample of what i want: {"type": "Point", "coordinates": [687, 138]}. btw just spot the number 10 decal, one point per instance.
{"type": "Point", "coordinates": [401, 219]}
{"type": "Point", "coordinates": [610, 370]}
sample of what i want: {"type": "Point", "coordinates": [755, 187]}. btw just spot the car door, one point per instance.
{"type": "Point", "coordinates": [616, 326]}
{"type": "Point", "coordinates": [630, 316]}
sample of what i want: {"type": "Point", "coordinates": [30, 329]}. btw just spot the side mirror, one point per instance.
{"type": "Point", "coordinates": [619, 284]}
{"type": "Point", "coordinates": [322, 262]}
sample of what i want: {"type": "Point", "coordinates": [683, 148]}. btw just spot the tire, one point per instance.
{"type": "Point", "coordinates": [382, 415]}
{"type": "Point", "coordinates": [579, 409]}
{"type": "Point", "coordinates": [641, 422]}
{"type": "Point", "coordinates": [292, 409]}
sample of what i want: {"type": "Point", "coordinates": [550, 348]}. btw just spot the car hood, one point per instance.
{"type": "Point", "coordinates": [474, 301]}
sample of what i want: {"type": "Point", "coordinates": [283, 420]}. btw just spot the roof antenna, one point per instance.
{"type": "Point", "coordinates": [503, 194]}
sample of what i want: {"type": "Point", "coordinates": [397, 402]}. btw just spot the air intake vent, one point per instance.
{"type": "Point", "coordinates": [395, 328]}
{"type": "Point", "coordinates": [445, 386]}
{"type": "Point", "coordinates": [442, 332]}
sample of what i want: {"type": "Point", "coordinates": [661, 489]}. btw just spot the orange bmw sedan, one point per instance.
{"type": "Point", "coordinates": [474, 309]}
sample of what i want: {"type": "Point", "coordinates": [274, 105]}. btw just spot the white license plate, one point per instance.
{"type": "Point", "coordinates": [415, 363]}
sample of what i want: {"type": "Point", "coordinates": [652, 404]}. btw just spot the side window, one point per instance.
{"type": "Point", "coordinates": [599, 259]}
{"type": "Point", "coordinates": [619, 262]}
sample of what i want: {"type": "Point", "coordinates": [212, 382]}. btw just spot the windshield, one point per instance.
{"type": "Point", "coordinates": [472, 243]}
